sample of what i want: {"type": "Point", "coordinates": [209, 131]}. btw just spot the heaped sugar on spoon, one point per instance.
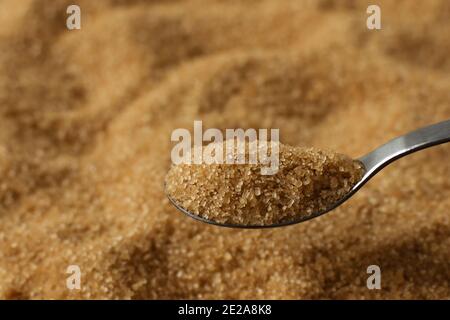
{"type": "Point", "coordinates": [308, 183]}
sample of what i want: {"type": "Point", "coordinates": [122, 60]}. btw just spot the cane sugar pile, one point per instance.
{"type": "Point", "coordinates": [86, 118]}
{"type": "Point", "coordinates": [306, 181]}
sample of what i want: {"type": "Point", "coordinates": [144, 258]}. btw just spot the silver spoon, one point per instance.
{"type": "Point", "coordinates": [373, 162]}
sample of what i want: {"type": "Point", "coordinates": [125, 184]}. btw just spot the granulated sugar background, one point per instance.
{"type": "Point", "coordinates": [85, 123]}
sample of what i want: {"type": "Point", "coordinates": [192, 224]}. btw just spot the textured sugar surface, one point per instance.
{"type": "Point", "coordinates": [306, 181]}
{"type": "Point", "coordinates": [85, 124]}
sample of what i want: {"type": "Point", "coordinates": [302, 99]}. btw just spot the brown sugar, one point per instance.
{"type": "Point", "coordinates": [307, 181]}
{"type": "Point", "coordinates": [86, 118]}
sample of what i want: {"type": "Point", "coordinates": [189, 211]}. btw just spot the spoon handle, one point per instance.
{"type": "Point", "coordinates": [399, 147]}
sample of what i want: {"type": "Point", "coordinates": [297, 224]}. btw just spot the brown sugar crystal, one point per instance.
{"type": "Point", "coordinates": [308, 181]}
